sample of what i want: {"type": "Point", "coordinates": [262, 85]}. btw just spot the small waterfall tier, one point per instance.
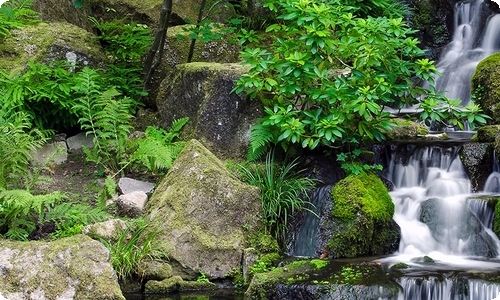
{"type": "Point", "coordinates": [438, 215]}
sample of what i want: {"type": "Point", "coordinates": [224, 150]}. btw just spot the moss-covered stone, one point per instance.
{"type": "Point", "coordinates": [406, 130]}
{"type": "Point", "coordinates": [203, 215]}
{"type": "Point", "coordinates": [487, 134]}
{"type": "Point", "coordinates": [71, 268]}
{"type": "Point", "coordinates": [486, 86]}
{"type": "Point", "coordinates": [477, 158]}
{"type": "Point", "coordinates": [47, 42]}
{"type": "Point", "coordinates": [362, 213]}
{"type": "Point", "coordinates": [496, 220]}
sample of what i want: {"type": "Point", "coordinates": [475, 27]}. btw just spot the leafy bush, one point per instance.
{"type": "Point", "coordinates": [124, 41]}
{"type": "Point", "coordinates": [328, 76]}
{"type": "Point", "coordinates": [283, 193]}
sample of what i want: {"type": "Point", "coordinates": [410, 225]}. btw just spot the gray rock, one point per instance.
{"type": "Point", "coordinates": [70, 268]}
{"type": "Point", "coordinates": [80, 140]}
{"type": "Point", "coordinates": [128, 185]}
{"type": "Point", "coordinates": [203, 214]}
{"type": "Point", "coordinates": [221, 120]}
{"type": "Point", "coordinates": [132, 204]}
{"type": "Point", "coordinates": [109, 230]}
{"type": "Point", "coordinates": [51, 153]}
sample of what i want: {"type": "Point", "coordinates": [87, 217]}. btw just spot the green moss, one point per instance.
{"type": "Point", "coordinates": [487, 134]}
{"type": "Point", "coordinates": [496, 221]}
{"type": "Point", "coordinates": [365, 192]}
{"type": "Point", "coordinates": [400, 265]}
{"type": "Point", "coordinates": [319, 263]}
{"type": "Point", "coordinates": [34, 42]}
{"type": "Point", "coordinates": [486, 86]}
{"type": "Point", "coordinates": [363, 211]}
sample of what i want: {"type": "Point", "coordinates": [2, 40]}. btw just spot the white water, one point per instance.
{"type": "Point", "coordinates": [469, 46]}
{"type": "Point", "coordinates": [435, 176]}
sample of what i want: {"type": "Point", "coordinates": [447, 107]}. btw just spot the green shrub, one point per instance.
{"type": "Point", "coordinates": [329, 74]}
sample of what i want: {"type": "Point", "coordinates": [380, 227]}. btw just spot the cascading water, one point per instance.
{"type": "Point", "coordinates": [435, 209]}
{"type": "Point", "coordinates": [440, 220]}
{"type": "Point", "coordinates": [473, 40]}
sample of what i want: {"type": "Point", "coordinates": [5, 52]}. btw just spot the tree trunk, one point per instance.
{"type": "Point", "coordinates": [155, 54]}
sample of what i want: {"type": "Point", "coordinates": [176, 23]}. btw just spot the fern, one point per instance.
{"type": "Point", "coordinates": [106, 118]}
{"type": "Point", "coordinates": [17, 143]}
{"type": "Point", "coordinates": [261, 140]}
{"type": "Point", "coordinates": [15, 14]}
{"type": "Point", "coordinates": [158, 150]}
{"type": "Point", "coordinates": [70, 216]}
{"type": "Point", "coordinates": [20, 211]}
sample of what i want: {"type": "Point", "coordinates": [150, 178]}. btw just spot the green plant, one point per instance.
{"type": "Point", "coordinates": [15, 14]}
{"type": "Point", "coordinates": [328, 75]}
{"type": "Point", "coordinates": [441, 112]}
{"type": "Point", "coordinates": [106, 119]}
{"type": "Point", "coordinates": [133, 246]}
{"type": "Point", "coordinates": [158, 150]}
{"type": "Point", "coordinates": [43, 92]}
{"type": "Point", "coordinates": [202, 277]}
{"type": "Point", "coordinates": [20, 210]}
{"type": "Point", "coordinates": [124, 41]}
{"type": "Point", "coordinates": [17, 144]}
{"type": "Point", "coordinates": [283, 193]}
{"type": "Point", "coordinates": [70, 218]}
{"type": "Point", "coordinates": [351, 274]}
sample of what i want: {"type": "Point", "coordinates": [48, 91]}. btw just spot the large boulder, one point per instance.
{"type": "Point", "coordinates": [220, 119]}
{"type": "Point", "coordinates": [204, 215]}
{"type": "Point", "coordinates": [70, 268]}
{"type": "Point", "coordinates": [148, 11]}
{"type": "Point", "coordinates": [360, 201]}
{"type": "Point", "coordinates": [486, 87]}
{"type": "Point", "coordinates": [49, 42]}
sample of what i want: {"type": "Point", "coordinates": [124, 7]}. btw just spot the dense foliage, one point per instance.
{"type": "Point", "coordinates": [329, 75]}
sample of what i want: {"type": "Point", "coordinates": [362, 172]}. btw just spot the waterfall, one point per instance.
{"type": "Point", "coordinates": [473, 40]}
{"type": "Point", "coordinates": [492, 184]}
{"type": "Point", "coordinates": [433, 206]}
{"type": "Point", "coordinates": [451, 289]}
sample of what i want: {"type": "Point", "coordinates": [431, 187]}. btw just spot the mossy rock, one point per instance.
{"type": "Point", "coordinates": [148, 11]}
{"type": "Point", "coordinates": [487, 134]}
{"type": "Point", "coordinates": [45, 42]}
{"type": "Point", "coordinates": [361, 218]}
{"type": "Point", "coordinates": [486, 86]}
{"type": "Point", "coordinates": [406, 130]}
{"type": "Point", "coordinates": [203, 214]}
{"type": "Point", "coordinates": [218, 118]}
{"type": "Point", "coordinates": [477, 161]}
{"type": "Point", "coordinates": [71, 268]}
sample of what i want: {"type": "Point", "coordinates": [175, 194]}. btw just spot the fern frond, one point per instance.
{"type": "Point", "coordinates": [176, 127]}
{"type": "Point", "coordinates": [261, 139]}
